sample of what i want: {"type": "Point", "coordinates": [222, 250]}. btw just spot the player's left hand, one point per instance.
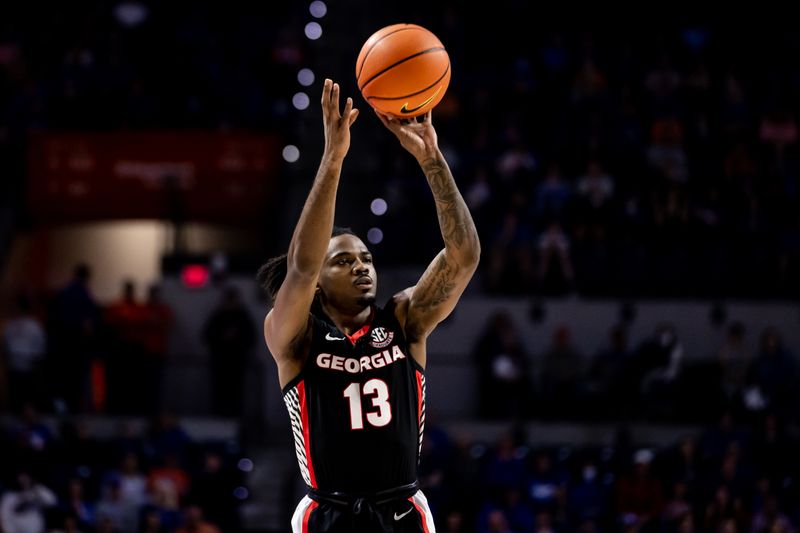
{"type": "Point", "coordinates": [417, 135]}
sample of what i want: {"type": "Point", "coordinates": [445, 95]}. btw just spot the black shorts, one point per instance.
{"type": "Point", "coordinates": [400, 515]}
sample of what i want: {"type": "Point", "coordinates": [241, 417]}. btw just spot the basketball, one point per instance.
{"type": "Point", "coordinates": [403, 70]}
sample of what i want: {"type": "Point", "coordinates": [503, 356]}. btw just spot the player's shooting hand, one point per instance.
{"type": "Point", "coordinates": [337, 125]}
{"type": "Point", "coordinates": [417, 135]}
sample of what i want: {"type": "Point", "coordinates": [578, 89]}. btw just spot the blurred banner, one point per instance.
{"type": "Point", "coordinates": [178, 175]}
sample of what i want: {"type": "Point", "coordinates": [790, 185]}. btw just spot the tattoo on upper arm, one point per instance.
{"type": "Point", "coordinates": [451, 209]}
{"type": "Point", "coordinates": [437, 286]}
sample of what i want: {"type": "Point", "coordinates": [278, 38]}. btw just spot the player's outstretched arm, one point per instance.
{"type": "Point", "coordinates": [443, 282]}
{"type": "Point", "coordinates": [288, 319]}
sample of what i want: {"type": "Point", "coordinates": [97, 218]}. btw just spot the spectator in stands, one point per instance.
{"type": "Point", "coordinates": [504, 467]}
{"type": "Point", "coordinates": [213, 491]}
{"type": "Point", "coordinates": [122, 515]}
{"type": "Point", "coordinates": [132, 483]}
{"type": "Point", "coordinates": [503, 370]}
{"type": "Point", "coordinates": [512, 506]}
{"type": "Point", "coordinates": [773, 372]}
{"type": "Point", "coordinates": [555, 272]}
{"type": "Point", "coordinates": [151, 522]}
{"type": "Point", "coordinates": [770, 518]}
{"type": "Point", "coordinates": [588, 498]}
{"type": "Point", "coordinates": [73, 332]}
{"type": "Point", "coordinates": [127, 320]}
{"type": "Point", "coordinates": [562, 375]}
{"type": "Point", "coordinates": [722, 509]}
{"type": "Point", "coordinates": [77, 506]}
{"type": "Point", "coordinates": [158, 325]}
{"type": "Point", "coordinates": [605, 386]}
{"type": "Point", "coordinates": [23, 508]}
{"type": "Point", "coordinates": [734, 358]}
{"type": "Point", "coordinates": [194, 523]}
{"type": "Point", "coordinates": [657, 364]}
{"type": "Point", "coordinates": [774, 450]}
{"type": "Point", "coordinates": [547, 487]}
{"type": "Point", "coordinates": [166, 437]}
{"type": "Point", "coordinates": [169, 479]}
{"type": "Point", "coordinates": [24, 344]}
{"type": "Point", "coordinates": [230, 335]}
{"type": "Point", "coordinates": [32, 442]}
{"type": "Point", "coordinates": [639, 496]}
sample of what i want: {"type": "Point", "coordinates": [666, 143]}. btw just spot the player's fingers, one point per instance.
{"type": "Point", "coordinates": [385, 119]}
{"type": "Point", "coordinates": [326, 97]}
{"type": "Point", "coordinates": [348, 106]}
{"type": "Point", "coordinates": [335, 97]}
{"type": "Point", "coordinates": [353, 116]}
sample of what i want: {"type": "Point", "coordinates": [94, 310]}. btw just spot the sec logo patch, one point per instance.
{"type": "Point", "coordinates": [381, 338]}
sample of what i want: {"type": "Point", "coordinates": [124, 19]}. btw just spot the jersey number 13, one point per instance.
{"type": "Point", "coordinates": [378, 392]}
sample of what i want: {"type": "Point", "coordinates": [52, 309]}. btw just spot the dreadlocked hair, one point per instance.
{"type": "Point", "coordinates": [271, 274]}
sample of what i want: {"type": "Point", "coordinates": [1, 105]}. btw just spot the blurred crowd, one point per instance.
{"type": "Point", "coordinates": [602, 159]}
{"type": "Point", "coordinates": [654, 379]}
{"type": "Point", "coordinates": [68, 480]}
{"type": "Point", "coordinates": [730, 477]}
{"type": "Point", "coordinates": [68, 353]}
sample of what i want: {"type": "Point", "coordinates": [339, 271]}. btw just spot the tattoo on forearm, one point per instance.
{"type": "Point", "coordinates": [454, 218]}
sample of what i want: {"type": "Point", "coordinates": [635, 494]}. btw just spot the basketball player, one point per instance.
{"type": "Point", "coordinates": [352, 373]}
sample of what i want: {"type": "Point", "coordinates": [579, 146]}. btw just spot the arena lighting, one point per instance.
{"type": "Point", "coordinates": [318, 9]}
{"type": "Point", "coordinates": [291, 153]}
{"type": "Point", "coordinates": [300, 101]}
{"type": "Point", "coordinates": [131, 14]}
{"type": "Point", "coordinates": [194, 276]}
{"type": "Point", "coordinates": [375, 235]}
{"type": "Point", "coordinates": [313, 31]}
{"type": "Point", "coordinates": [305, 77]}
{"type": "Point", "coordinates": [378, 206]}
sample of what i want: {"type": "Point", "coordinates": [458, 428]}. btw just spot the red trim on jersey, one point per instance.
{"type": "Point", "coordinates": [422, 514]}
{"type": "Point", "coordinates": [301, 392]}
{"type": "Point", "coordinates": [307, 515]}
{"type": "Point", "coordinates": [420, 398]}
{"type": "Point", "coordinates": [364, 329]}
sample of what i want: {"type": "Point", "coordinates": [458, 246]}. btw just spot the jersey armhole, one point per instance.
{"type": "Point", "coordinates": [293, 383]}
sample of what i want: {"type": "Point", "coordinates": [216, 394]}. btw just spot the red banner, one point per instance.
{"type": "Point", "coordinates": [193, 175]}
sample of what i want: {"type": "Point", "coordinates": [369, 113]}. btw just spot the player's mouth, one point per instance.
{"type": "Point", "coordinates": [364, 282]}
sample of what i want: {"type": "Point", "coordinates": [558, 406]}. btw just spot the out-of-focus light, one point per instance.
{"type": "Point", "coordinates": [241, 493]}
{"type": "Point", "coordinates": [195, 276]}
{"type": "Point", "coordinates": [313, 31]}
{"type": "Point", "coordinates": [300, 101]}
{"type": "Point", "coordinates": [291, 153]}
{"type": "Point", "coordinates": [245, 465]}
{"type": "Point", "coordinates": [305, 77]}
{"type": "Point", "coordinates": [378, 206]}
{"type": "Point", "coordinates": [131, 13]}
{"type": "Point", "coordinates": [375, 235]}
{"type": "Point", "coordinates": [318, 9]}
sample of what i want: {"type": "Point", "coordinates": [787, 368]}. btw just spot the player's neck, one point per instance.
{"type": "Point", "coordinates": [348, 321]}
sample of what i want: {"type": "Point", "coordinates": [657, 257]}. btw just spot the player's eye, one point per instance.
{"type": "Point", "coordinates": [367, 259]}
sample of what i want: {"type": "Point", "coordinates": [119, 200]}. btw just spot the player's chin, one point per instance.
{"type": "Point", "coordinates": [366, 298]}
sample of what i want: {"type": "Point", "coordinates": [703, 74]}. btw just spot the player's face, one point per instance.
{"type": "Point", "coordinates": [348, 275]}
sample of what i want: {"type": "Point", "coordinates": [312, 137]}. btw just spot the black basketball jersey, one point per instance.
{"type": "Point", "coordinates": [357, 408]}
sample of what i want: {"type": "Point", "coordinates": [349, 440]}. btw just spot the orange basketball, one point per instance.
{"type": "Point", "coordinates": [403, 70]}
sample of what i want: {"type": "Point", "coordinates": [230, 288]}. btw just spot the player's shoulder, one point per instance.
{"type": "Point", "coordinates": [398, 305]}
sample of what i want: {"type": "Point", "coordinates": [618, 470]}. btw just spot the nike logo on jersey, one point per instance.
{"type": "Point", "coordinates": [329, 337]}
{"type": "Point", "coordinates": [401, 515]}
